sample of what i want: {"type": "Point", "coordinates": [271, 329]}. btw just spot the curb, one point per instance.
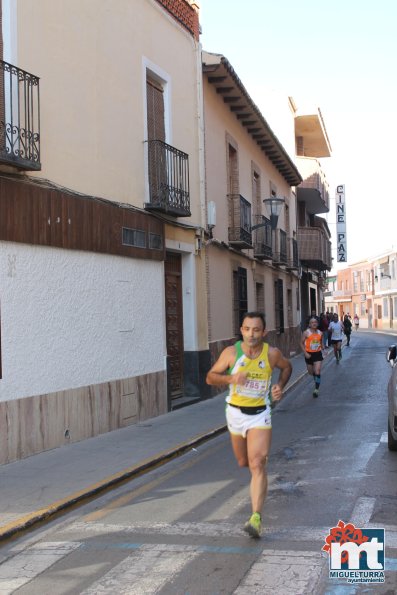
{"type": "Point", "coordinates": [44, 514]}
{"type": "Point", "coordinates": [25, 522]}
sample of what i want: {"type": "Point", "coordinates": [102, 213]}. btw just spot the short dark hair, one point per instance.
{"type": "Point", "coordinates": [254, 315]}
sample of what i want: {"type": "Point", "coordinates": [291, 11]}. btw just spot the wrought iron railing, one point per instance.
{"type": "Point", "coordinates": [19, 117]}
{"type": "Point", "coordinates": [280, 255]}
{"type": "Point", "coordinates": [293, 259]}
{"type": "Point", "coordinates": [168, 179]}
{"type": "Point", "coordinates": [263, 238]}
{"type": "Point", "coordinates": [240, 233]}
{"type": "Point", "coordinates": [313, 178]}
{"type": "Point", "coordinates": [314, 248]}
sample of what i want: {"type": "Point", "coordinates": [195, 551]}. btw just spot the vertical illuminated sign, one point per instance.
{"type": "Point", "coordinates": [341, 245]}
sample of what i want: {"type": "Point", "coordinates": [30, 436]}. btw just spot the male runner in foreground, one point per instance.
{"type": "Point", "coordinates": [247, 368]}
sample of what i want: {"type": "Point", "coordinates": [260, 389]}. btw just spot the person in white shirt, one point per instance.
{"type": "Point", "coordinates": [336, 329]}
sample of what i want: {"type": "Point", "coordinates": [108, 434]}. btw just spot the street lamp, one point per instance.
{"type": "Point", "coordinates": [274, 206]}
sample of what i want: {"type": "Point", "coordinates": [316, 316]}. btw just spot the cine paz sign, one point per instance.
{"type": "Point", "coordinates": [341, 245]}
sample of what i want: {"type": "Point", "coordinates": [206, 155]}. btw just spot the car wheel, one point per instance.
{"type": "Point", "coordinates": [391, 442]}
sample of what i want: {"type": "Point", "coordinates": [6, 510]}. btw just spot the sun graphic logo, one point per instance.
{"type": "Point", "coordinates": [356, 554]}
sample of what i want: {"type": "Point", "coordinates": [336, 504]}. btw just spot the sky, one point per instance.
{"type": "Point", "coordinates": [340, 56]}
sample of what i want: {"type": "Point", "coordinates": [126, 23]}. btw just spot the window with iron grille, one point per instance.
{"type": "Point", "coordinates": [279, 305]}
{"type": "Point", "coordinates": [240, 301]}
{"type": "Point", "coordinates": [369, 281]}
{"type": "Point", "coordinates": [256, 194]}
{"type": "Point", "coordinates": [361, 278]}
{"type": "Point", "coordinates": [355, 280]}
{"type": "Point", "coordinates": [289, 306]}
{"type": "Point", "coordinates": [260, 297]}
{"type": "Point", "coordinates": [134, 237]}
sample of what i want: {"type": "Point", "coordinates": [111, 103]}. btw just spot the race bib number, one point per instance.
{"type": "Point", "coordinates": [253, 388]}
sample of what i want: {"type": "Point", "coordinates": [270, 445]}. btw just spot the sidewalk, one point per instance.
{"type": "Point", "coordinates": [35, 488]}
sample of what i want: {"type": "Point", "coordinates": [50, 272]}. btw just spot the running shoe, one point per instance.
{"type": "Point", "coordinates": [315, 393]}
{"type": "Point", "coordinates": [254, 526]}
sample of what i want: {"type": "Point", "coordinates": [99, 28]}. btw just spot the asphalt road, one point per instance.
{"type": "Point", "coordinates": [177, 530]}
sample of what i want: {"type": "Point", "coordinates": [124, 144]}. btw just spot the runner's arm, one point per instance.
{"type": "Point", "coordinates": [303, 346]}
{"type": "Point", "coordinates": [277, 360]}
{"type": "Point", "coordinates": [218, 376]}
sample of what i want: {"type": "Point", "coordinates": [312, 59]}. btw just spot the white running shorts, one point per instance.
{"type": "Point", "coordinates": [239, 423]}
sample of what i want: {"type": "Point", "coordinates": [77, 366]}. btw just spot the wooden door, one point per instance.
{"type": "Point", "coordinates": [174, 322]}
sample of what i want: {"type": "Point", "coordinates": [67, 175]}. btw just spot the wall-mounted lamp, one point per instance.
{"type": "Point", "coordinates": [274, 206]}
{"type": "Point", "coordinates": [211, 216]}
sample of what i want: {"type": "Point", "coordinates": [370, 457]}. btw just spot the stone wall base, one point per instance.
{"type": "Point", "coordinates": [42, 422]}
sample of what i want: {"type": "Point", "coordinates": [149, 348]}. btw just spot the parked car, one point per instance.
{"type": "Point", "coordinates": [391, 357]}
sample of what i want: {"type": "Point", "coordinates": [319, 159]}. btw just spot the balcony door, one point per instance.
{"type": "Point", "coordinates": [155, 110]}
{"type": "Point", "coordinates": [156, 132]}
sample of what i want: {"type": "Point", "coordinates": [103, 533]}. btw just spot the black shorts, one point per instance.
{"type": "Point", "coordinates": [316, 356]}
{"type": "Point", "coordinates": [334, 341]}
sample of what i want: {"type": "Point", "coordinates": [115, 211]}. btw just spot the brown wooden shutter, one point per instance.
{"type": "Point", "coordinates": [155, 111]}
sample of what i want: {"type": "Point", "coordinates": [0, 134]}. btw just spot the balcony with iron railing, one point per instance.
{"type": "Point", "coordinates": [314, 248]}
{"type": "Point", "coordinates": [384, 282]}
{"type": "Point", "coordinates": [263, 248]}
{"type": "Point", "coordinates": [280, 253]}
{"type": "Point", "coordinates": [314, 189]}
{"type": "Point", "coordinates": [341, 293]}
{"type": "Point", "coordinates": [293, 259]}
{"type": "Point", "coordinates": [19, 118]}
{"type": "Point", "coordinates": [168, 170]}
{"type": "Point", "coordinates": [240, 233]}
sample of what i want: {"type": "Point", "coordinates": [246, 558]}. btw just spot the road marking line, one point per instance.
{"type": "Point", "coordinates": [167, 547]}
{"type": "Point", "coordinates": [295, 572]}
{"type": "Point", "coordinates": [296, 534]}
{"type": "Point", "coordinates": [130, 496]}
{"type": "Point", "coordinates": [362, 511]}
{"type": "Point", "coordinates": [22, 568]}
{"type": "Point", "coordinates": [150, 567]}
{"type": "Point", "coordinates": [146, 571]}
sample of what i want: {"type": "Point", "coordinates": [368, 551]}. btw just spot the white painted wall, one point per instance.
{"type": "Point", "coordinates": [73, 318]}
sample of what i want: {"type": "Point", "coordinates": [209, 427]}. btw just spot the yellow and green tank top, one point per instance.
{"type": "Point", "coordinates": [256, 391]}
